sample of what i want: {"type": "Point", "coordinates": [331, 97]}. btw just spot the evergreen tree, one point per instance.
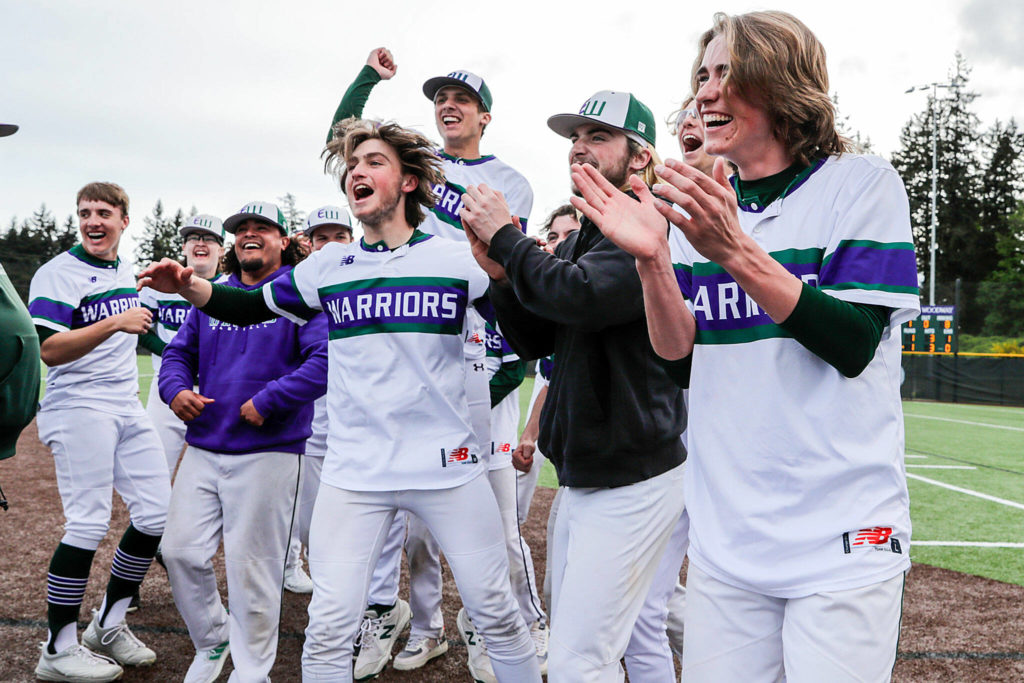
{"type": "Point", "coordinates": [295, 219]}
{"type": "Point", "coordinates": [161, 238]}
{"type": "Point", "coordinates": [999, 297]}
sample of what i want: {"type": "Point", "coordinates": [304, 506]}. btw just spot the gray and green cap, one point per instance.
{"type": "Point", "coordinates": [203, 223]}
{"type": "Point", "coordinates": [266, 212]}
{"type": "Point", "coordinates": [327, 215]}
{"type": "Point", "coordinates": [462, 79]}
{"type": "Point", "coordinates": [618, 110]}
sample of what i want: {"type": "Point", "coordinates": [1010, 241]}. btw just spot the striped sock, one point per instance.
{"type": "Point", "coordinates": [65, 588]}
{"type": "Point", "coordinates": [132, 558]}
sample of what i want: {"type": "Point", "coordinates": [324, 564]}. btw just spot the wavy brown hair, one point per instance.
{"type": "Point", "coordinates": [111, 193]}
{"type": "Point", "coordinates": [776, 62]}
{"type": "Point", "coordinates": [415, 151]}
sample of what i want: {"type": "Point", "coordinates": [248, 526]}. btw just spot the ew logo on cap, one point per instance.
{"type": "Point", "coordinates": [593, 107]}
{"type": "Point", "coordinates": [458, 75]}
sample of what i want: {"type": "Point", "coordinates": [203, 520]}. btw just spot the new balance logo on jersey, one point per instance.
{"type": "Point", "coordinates": [457, 456]}
{"type": "Point", "coordinates": [873, 538]}
{"type": "Point", "coordinates": [347, 261]}
{"type": "Point", "coordinates": [503, 447]}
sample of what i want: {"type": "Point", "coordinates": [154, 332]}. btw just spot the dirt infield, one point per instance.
{"type": "Point", "coordinates": [955, 627]}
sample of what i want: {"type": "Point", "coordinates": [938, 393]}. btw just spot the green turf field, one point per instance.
{"type": "Point", "coordinates": [984, 443]}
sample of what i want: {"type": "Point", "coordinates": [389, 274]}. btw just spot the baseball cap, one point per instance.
{"type": "Point", "coordinates": [7, 129]}
{"type": "Point", "coordinates": [261, 211]}
{"type": "Point", "coordinates": [463, 79]}
{"type": "Point", "coordinates": [203, 223]}
{"type": "Point", "coordinates": [327, 215]}
{"type": "Point", "coordinates": [618, 110]}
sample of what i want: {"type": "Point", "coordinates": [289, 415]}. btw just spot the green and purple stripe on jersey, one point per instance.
{"type": "Point", "coordinates": [91, 309]}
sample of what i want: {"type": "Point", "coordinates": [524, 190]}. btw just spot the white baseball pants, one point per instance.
{"type": "Point", "coordinates": [169, 426]}
{"type": "Point", "coordinates": [734, 635]}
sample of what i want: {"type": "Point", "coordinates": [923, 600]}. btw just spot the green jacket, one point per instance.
{"type": "Point", "coordinates": [19, 367]}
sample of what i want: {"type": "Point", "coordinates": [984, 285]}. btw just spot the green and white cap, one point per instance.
{"type": "Point", "coordinates": [327, 215]}
{"type": "Point", "coordinates": [463, 79]}
{"type": "Point", "coordinates": [618, 110]}
{"type": "Point", "coordinates": [266, 212]}
{"type": "Point", "coordinates": [203, 223]}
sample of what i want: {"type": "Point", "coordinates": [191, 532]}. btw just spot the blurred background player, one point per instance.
{"type": "Point", "coordinates": [239, 478]}
{"type": "Point", "coordinates": [89, 318]}
{"type": "Point", "coordinates": [794, 329]}
{"type": "Point", "coordinates": [462, 111]}
{"type": "Point", "coordinates": [613, 418]}
{"type": "Point", "coordinates": [19, 360]}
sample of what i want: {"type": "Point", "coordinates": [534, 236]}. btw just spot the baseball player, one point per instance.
{"type": "Point", "coordinates": [19, 360]}
{"type": "Point", "coordinates": [239, 478]}
{"type": "Point", "coordinates": [88, 316]}
{"type": "Point", "coordinates": [462, 111]}
{"type": "Point", "coordinates": [395, 300]}
{"type": "Point", "coordinates": [203, 248]}
{"type": "Point", "coordinates": [613, 418]}
{"type": "Point", "coordinates": [797, 276]}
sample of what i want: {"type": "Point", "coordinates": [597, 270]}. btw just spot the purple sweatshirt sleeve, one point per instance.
{"type": "Point", "coordinates": [307, 382]}
{"type": "Point", "coordinates": [180, 360]}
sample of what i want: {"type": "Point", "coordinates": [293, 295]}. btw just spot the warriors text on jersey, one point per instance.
{"type": "Point", "coordinates": [396, 395]}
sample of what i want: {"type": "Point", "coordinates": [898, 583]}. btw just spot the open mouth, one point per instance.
{"type": "Point", "coordinates": [251, 246]}
{"type": "Point", "coordinates": [716, 120]}
{"type": "Point", "coordinates": [691, 143]}
{"type": "Point", "coordinates": [95, 234]}
{"type": "Point", "coordinates": [361, 191]}
{"type": "Point", "coordinates": [448, 119]}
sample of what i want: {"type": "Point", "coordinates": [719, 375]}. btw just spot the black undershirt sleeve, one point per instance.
{"type": "Point", "coordinates": [44, 333]}
{"type": "Point", "coordinates": [842, 333]}
{"type": "Point", "coordinates": [678, 370]}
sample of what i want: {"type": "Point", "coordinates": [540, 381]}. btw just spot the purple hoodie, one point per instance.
{"type": "Point", "coordinates": [281, 366]}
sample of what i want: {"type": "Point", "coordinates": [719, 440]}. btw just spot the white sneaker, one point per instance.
{"type": "Point", "coordinates": [376, 639]}
{"type": "Point", "coordinates": [540, 634]}
{"type": "Point", "coordinates": [479, 663]}
{"type": "Point", "coordinates": [297, 580]}
{"type": "Point", "coordinates": [118, 643]}
{"type": "Point", "coordinates": [207, 664]}
{"type": "Point", "coordinates": [77, 665]}
{"type": "Point", "coordinates": [420, 650]}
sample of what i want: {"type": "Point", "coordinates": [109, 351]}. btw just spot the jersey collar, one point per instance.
{"type": "Point", "coordinates": [376, 247]}
{"type": "Point", "coordinates": [756, 202]}
{"type": "Point", "coordinates": [464, 162]}
{"type": "Point", "coordinates": [79, 252]}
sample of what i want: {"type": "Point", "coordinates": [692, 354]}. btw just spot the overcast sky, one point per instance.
{"type": "Point", "coordinates": [213, 104]}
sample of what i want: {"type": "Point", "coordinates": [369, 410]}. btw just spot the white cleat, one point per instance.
{"type": "Point", "coordinates": [540, 634]}
{"type": "Point", "coordinates": [207, 664]}
{"type": "Point", "coordinates": [297, 580]}
{"type": "Point", "coordinates": [376, 639]}
{"type": "Point", "coordinates": [76, 664]}
{"type": "Point", "coordinates": [479, 663]}
{"type": "Point", "coordinates": [117, 643]}
{"type": "Point", "coordinates": [420, 650]}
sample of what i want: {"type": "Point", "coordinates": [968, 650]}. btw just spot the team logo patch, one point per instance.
{"type": "Point", "coordinates": [879, 538]}
{"type": "Point", "coordinates": [348, 260]}
{"type": "Point", "coordinates": [503, 447]}
{"type": "Point", "coordinates": [457, 456]}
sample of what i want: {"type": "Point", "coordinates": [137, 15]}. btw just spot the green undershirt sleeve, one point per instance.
{"type": "Point", "coordinates": [238, 306]}
{"type": "Point", "coordinates": [842, 333]}
{"type": "Point", "coordinates": [44, 333]}
{"type": "Point", "coordinates": [506, 379]}
{"type": "Point", "coordinates": [354, 99]}
{"type": "Point", "coordinates": [152, 341]}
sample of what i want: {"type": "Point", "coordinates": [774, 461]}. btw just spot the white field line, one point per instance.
{"type": "Point", "coordinates": [942, 467]}
{"type": "Point", "coordinates": [969, 492]}
{"type": "Point", "coordinates": [966, 544]}
{"type": "Point", "coordinates": [964, 422]}
{"type": "Point", "coordinates": [908, 455]}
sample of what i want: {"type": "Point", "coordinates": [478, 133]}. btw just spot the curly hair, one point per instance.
{"type": "Point", "coordinates": [777, 63]}
{"type": "Point", "coordinates": [415, 151]}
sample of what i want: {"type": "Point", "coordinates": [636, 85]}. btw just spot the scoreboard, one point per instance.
{"type": "Point", "coordinates": [933, 332]}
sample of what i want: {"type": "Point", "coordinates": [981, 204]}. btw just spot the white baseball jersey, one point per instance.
{"type": "Point", "coordinates": [74, 290]}
{"type": "Point", "coordinates": [444, 218]}
{"type": "Point", "coordinates": [505, 415]}
{"type": "Point", "coordinates": [796, 483]}
{"type": "Point", "coordinates": [169, 311]}
{"type": "Point", "coordinates": [396, 397]}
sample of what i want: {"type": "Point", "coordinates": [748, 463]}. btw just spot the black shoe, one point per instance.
{"type": "Point", "coordinates": [160, 559]}
{"type": "Point", "coordinates": [133, 606]}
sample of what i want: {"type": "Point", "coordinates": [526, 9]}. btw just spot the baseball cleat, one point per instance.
{"type": "Point", "coordinates": [540, 634]}
{"type": "Point", "coordinates": [207, 664]}
{"type": "Point", "coordinates": [479, 663]}
{"type": "Point", "coordinates": [77, 665]}
{"type": "Point", "coordinates": [420, 650]}
{"type": "Point", "coordinates": [117, 643]}
{"type": "Point", "coordinates": [297, 580]}
{"type": "Point", "coordinates": [377, 638]}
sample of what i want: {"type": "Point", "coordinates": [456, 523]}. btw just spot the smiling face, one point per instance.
{"type": "Point", "coordinates": [202, 252]}
{"type": "Point", "coordinates": [258, 246]}
{"type": "Point", "coordinates": [690, 135]}
{"type": "Point", "coordinates": [327, 233]}
{"type": "Point", "coordinates": [561, 227]}
{"type": "Point", "coordinates": [459, 116]}
{"type": "Point", "coordinates": [735, 127]}
{"type": "Point", "coordinates": [101, 226]}
{"type": "Point", "coordinates": [374, 183]}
